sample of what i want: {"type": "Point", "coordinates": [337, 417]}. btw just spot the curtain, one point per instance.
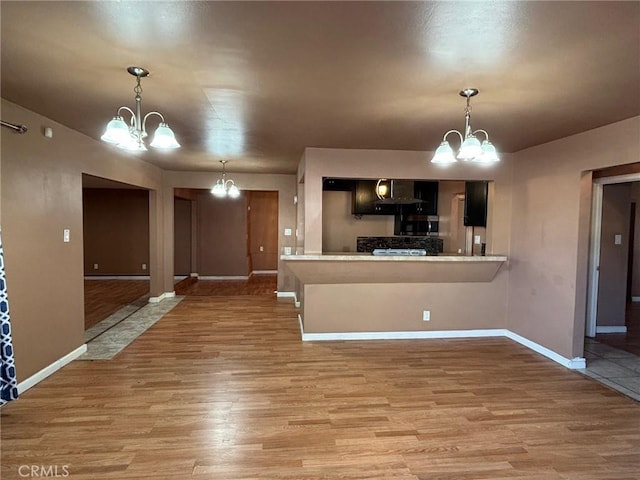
{"type": "Point", "coordinates": [8, 381]}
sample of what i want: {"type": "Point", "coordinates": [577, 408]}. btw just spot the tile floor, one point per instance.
{"type": "Point", "coordinates": [613, 367]}
{"type": "Point", "coordinates": [123, 327]}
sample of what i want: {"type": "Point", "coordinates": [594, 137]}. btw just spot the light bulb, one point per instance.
{"type": "Point", "coordinates": [443, 154]}
{"type": "Point", "coordinates": [116, 132]}
{"type": "Point", "coordinates": [470, 148]}
{"type": "Point", "coordinates": [164, 137]}
{"type": "Point", "coordinates": [218, 190]}
{"type": "Point", "coordinates": [234, 192]}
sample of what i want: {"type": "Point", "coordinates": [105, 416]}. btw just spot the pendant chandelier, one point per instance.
{"type": "Point", "coordinates": [471, 150]}
{"type": "Point", "coordinates": [224, 187]}
{"type": "Point", "coordinates": [131, 136]}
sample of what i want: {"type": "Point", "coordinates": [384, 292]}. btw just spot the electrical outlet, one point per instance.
{"type": "Point", "coordinates": [287, 250]}
{"type": "Point", "coordinates": [476, 239]}
{"type": "Point", "coordinates": [95, 266]}
{"type": "Point", "coordinates": [261, 248]}
{"type": "Point", "coordinates": [66, 235]}
{"type": "Point", "coordinates": [287, 232]}
{"type": "Point", "coordinates": [144, 266]}
{"type": "Point", "coordinates": [426, 315]}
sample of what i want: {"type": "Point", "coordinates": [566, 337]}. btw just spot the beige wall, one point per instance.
{"type": "Point", "coordinates": [399, 307]}
{"type": "Point", "coordinates": [612, 285]}
{"type": "Point", "coordinates": [182, 236]}
{"type": "Point", "coordinates": [222, 235]}
{"type": "Point", "coordinates": [116, 231]}
{"type": "Point", "coordinates": [41, 196]}
{"type": "Point", "coordinates": [550, 232]}
{"type": "Point", "coordinates": [285, 185]}
{"type": "Point", "coordinates": [340, 229]}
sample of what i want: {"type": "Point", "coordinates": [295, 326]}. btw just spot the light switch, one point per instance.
{"type": "Point", "coordinates": [66, 235]}
{"type": "Point", "coordinates": [617, 239]}
{"type": "Point", "coordinates": [287, 232]}
{"type": "Point", "coordinates": [261, 248]}
{"type": "Point", "coordinates": [287, 250]}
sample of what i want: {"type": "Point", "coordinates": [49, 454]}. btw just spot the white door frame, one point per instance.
{"type": "Point", "coordinates": [594, 249]}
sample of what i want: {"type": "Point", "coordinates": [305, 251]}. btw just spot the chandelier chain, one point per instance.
{"type": "Point", "coordinates": [138, 88]}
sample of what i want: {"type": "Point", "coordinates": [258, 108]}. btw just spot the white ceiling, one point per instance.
{"type": "Point", "coordinates": [256, 82]}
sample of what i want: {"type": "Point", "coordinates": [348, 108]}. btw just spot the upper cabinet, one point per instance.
{"type": "Point", "coordinates": [338, 184]}
{"type": "Point", "coordinates": [475, 203]}
{"type": "Point", "coordinates": [427, 193]}
{"type": "Point", "coordinates": [366, 202]}
{"type": "Point", "coordinates": [395, 197]}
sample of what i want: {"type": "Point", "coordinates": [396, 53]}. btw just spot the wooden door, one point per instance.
{"type": "Point", "coordinates": [262, 228]}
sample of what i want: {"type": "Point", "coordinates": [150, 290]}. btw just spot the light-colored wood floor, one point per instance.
{"type": "Point", "coordinates": [104, 297]}
{"type": "Point", "coordinates": [222, 388]}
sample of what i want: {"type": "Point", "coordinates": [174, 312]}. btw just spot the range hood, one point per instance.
{"type": "Point", "coordinates": [401, 192]}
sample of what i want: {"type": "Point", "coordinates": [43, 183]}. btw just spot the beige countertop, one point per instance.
{"type": "Point", "coordinates": [364, 257]}
{"type": "Point", "coordinates": [342, 268]}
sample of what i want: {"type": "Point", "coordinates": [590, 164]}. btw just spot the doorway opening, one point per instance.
{"type": "Point", "coordinates": [225, 246]}
{"type": "Point", "coordinates": [116, 252]}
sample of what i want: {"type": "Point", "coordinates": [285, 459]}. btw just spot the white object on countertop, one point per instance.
{"type": "Point", "coordinates": [408, 252]}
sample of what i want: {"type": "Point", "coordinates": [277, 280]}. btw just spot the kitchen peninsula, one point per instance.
{"type": "Point", "coordinates": [387, 296]}
{"type": "Point", "coordinates": [346, 293]}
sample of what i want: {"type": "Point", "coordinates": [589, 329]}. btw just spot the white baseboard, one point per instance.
{"type": "Point", "coordinates": [285, 294]}
{"type": "Point", "coordinates": [48, 370]}
{"type": "Point", "coordinates": [571, 363]}
{"type": "Point", "coordinates": [223, 277]}
{"type": "Point", "coordinates": [419, 334]}
{"type": "Point", "coordinates": [293, 295]}
{"type": "Point", "coordinates": [264, 272]}
{"type": "Point", "coordinates": [635, 299]}
{"type": "Point", "coordinates": [611, 329]}
{"type": "Point", "coordinates": [161, 297]}
{"type": "Point", "coordinates": [193, 275]}
{"type": "Point", "coordinates": [116, 277]}
{"type": "Point", "coordinates": [180, 277]}
{"type": "Point", "coordinates": [301, 327]}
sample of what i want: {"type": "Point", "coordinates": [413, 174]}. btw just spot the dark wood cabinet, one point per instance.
{"type": "Point", "coordinates": [338, 184]}
{"type": "Point", "coordinates": [366, 202]}
{"type": "Point", "coordinates": [426, 191]}
{"type": "Point", "coordinates": [475, 203]}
